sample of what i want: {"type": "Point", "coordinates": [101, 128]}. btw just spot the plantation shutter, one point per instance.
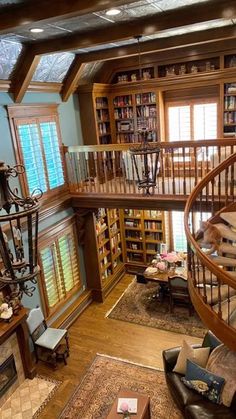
{"type": "Point", "coordinates": [60, 267]}
{"type": "Point", "coordinates": [32, 154]}
{"type": "Point", "coordinates": [39, 144]}
{"type": "Point", "coordinates": [52, 153]}
{"type": "Point", "coordinates": [179, 237]}
{"type": "Point", "coordinates": [179, 123]}
{"type": "Point", "coordinates": [205, 121]}
{"type": "Point", "coordinates": [50, 275]}
{"type": "Point", "coordinates": [69, 263]}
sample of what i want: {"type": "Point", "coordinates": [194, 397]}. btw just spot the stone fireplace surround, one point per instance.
{"type": "Point", "coordinates": [14, 340]}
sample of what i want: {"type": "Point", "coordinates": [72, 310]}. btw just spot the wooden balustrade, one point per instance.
{"type": "Point", "coordinates": [109, 169]}
{"type": "Point", "coordinates": [213, 287]}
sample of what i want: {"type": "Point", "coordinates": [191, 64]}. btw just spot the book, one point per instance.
{"type": "Point", "coordinates": [131, 402]}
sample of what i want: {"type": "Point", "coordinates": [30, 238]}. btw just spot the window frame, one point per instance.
{"type": "Point", "coordinates": [191, 102]}
{"type": "Point", "coordinates": [46, 239]}
{"type": "Point", "coordinates": [28, 114]}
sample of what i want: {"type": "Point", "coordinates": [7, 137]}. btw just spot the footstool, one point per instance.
{"type": "Point", "coordinates": [143, 408]}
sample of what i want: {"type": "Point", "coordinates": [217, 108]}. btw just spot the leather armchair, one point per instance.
{"type": "Point", "coordinates": [192, 404]}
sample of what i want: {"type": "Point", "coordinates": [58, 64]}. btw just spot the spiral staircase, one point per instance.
{"type": "Point", "coordinates": [212, 278]}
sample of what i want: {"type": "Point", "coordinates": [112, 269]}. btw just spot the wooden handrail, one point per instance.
{"type": "Point", "coordinates": [218, 272]}
{"type": "Point", "coordinates": [163, 145]}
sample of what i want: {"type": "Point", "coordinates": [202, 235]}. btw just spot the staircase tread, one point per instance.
{"type": "Point", "coordinates": [230, 217]}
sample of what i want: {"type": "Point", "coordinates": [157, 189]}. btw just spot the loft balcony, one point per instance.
{"type": "Point", "coordinates": [104, 175]}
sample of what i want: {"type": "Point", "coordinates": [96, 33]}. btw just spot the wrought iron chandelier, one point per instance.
{"type": "Point", "coordinates": [18, 235]}
{"type": "Point", "coordinates": [145, 156]}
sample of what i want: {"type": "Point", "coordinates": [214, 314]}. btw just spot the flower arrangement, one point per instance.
{"type": "Point", "coordinates": [124, 407]}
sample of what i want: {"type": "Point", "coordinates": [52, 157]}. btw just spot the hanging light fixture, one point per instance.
{"type": "Point", "coordinates": [18, 235]}
{"type": "Point", "coordinates": [145, 156]}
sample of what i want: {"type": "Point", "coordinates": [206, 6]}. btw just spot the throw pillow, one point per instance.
{"type": "Point", "coordinates": [198, 355]}
{"type": "Point", "coordinates": [222, 361]}
{"type": "Point", "coordinates": [204, 382]}
{"type": "Point", "coordinates": [211, 340]}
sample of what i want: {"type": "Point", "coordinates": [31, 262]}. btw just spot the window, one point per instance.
{"type": "Point", "coordinates": [192, 121]}
{"type": "Point", "coordinates": [38, 147]}
{"type": "Point", "coordinates": [59, 265]}
{"type": "Point", "coordinates": [178, 231]}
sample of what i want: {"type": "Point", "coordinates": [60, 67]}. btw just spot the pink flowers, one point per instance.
{"type": "Point", "coordinates": [171, 257]}
{"type": "Point", "coordinates": [124, 407]}
{"type": "Point", "coordinates": [161, 266]}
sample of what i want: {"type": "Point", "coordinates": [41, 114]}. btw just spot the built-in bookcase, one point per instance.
{"type": "Point", "coordinates": [229, 110]}
{"type": "Point", "coordinates": [103, 120]}
{"type": "Point", "coordinates": [103, 251]}
{"type": "Point", "coordinates": [143, 231]}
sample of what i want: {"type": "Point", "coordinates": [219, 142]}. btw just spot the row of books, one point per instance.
{"type": "Point", "coordinates": [147, 111]}
{"type": "Point", "coordinates": [229, 117]}
{"type": "Point", "coordinates": [103, 128]}
{"type": "Point", "coordinates": [101, 102]}
{"type": "Point", "coordinates": [145, 98]}
{"type": "Point", "coordinates": [134, 235]}
{"type": "Point", "coordinates": [102, 115]}
{"type": "Point", "coordinates": [230, 88]}
{"type": "Point", "coordinates": [152, 213]}
{"type": "Point", "coordinates": [154, 236]}
{"type": "Point", "coordinates": [123, 113]}
{"type": "Point", "coordinates": [149, 123]}
{"type": "Point", "coordinates": [230, 102]}
{"type": "Point", "coordinates": [113, 213]}
{"type": "Point", "coordinates": [132, 212]}
{"type": "Point", "coordinates": [134, 246]}
{"type": "Point", "coordinates": [125, 138]}
{"type": "Point", "coordinates": [132, 223]}
{"type": "Point", "coordinates": [125, 100]}
{"type": "Point", "coordinates": [154, 225]}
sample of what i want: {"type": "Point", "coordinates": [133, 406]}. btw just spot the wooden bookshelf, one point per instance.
{"type": "Point", "coordinates": [103, 251]}
{"type": "Point", "coordinates": [229, 123]}
{"type": "Point", "coordinates": [103, 120]}
{"type": "Point", "coordinates": [143, 232]}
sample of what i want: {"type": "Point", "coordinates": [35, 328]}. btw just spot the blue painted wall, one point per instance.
{"type": "Point", "coordinates": [69, 116]}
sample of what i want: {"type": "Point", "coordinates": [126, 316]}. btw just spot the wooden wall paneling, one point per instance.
{"type": "Point", "coordinates": [92, 266]}
{"type": "Point", "coordinates": [87, 116]}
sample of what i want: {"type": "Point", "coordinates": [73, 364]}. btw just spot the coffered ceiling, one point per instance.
{"type": "Point", "coordinates": [76, 33]}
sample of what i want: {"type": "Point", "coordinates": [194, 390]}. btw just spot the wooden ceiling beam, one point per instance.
{"type": "Point", "coordinates": [213, 9]}
{"type": "Point", "coordinates": [162, 44]}
{"type": "Point", "coordinates": [23, 73]}
{"type": "Point", "coordinates": [23, 14]}
{"type": "Point", "coordinates": [71, 81]}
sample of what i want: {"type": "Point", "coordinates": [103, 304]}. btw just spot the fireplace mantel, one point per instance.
{"type": "Point", "coordinates": [18, 324]}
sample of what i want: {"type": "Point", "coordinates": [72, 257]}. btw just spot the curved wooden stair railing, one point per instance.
{"type": "Point", "coordinates": [212, 277]}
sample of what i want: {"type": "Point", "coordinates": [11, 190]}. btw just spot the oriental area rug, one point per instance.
{"type": "Point", "coordinates": [97, 392]}
{"type": "Point", "coordinates": [137, 305]}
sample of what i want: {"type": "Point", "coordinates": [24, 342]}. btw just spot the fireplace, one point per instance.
{"type": "Point", "coordinates": [8, 374]}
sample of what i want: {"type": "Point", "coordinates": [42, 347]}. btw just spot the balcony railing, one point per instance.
{"type": "Point", "coordinates": [109, 169]}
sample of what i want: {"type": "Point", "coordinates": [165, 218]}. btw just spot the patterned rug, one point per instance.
{"type": "Point", "coordinates": [30, 398]}
{"type": "Point", "coordinates": [137, 305]}
{"type": "Point", "coordinates": [106, 376]}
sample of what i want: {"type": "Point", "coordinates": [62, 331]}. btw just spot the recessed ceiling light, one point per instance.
{"type": "Point", "coordinates": [36, 30]}
{"type": "Point", "coordinates": [113, 12]}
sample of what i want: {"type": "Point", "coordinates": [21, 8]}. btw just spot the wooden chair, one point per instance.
{"type": "Point", "coordinates": [47, 340]}
{"type": "Point", "coordinates": [178, 293]}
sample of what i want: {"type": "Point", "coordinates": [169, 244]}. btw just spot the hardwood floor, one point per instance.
{"type": "Point", "coordinates": [92, 333]}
